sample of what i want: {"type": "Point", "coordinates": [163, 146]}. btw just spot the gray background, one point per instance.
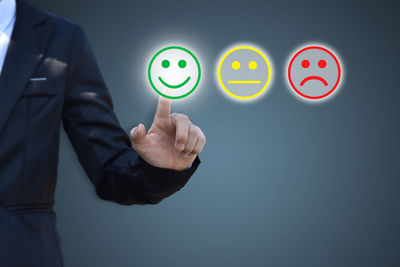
{"type": "Point", "coordinates": [282, 182]}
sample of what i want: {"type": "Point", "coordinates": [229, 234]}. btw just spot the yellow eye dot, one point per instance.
{"type": "Point", "coordinates": [252, 65]}
{"type": "Point", "coordinates": [235, 65]}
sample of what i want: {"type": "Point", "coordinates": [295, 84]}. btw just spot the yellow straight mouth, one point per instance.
{"type": "Point", "coordinates": [244, 81]}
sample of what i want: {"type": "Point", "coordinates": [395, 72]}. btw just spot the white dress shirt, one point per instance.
{"type": "Point", "coordinates": [7, 20]}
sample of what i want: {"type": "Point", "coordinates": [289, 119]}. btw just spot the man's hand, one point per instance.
{"type": "Point", "coordinates": [172, 141]}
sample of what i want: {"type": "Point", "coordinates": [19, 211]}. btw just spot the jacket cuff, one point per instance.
{"type": "Point", "coordinates": [168, 178]}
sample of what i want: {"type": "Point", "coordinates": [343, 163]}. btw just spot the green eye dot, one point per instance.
{"type": "Point", "coordinates": [165, 63]}
{"type": "Point", "coordinates": [182, 63]}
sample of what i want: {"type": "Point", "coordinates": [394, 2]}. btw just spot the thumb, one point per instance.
{"type": "Point", "coordinates": [138, 133]}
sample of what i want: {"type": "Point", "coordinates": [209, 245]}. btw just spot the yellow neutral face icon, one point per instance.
{"type": "Point", "coordinates": [244, 72]}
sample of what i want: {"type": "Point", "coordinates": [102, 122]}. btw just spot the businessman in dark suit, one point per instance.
{"type": "Point", "coordinates": [49, 75]}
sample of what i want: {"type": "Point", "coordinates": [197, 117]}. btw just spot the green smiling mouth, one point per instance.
{"type": "Point", "coordinates": [174, 86]}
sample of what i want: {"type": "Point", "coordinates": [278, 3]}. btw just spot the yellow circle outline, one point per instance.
{"type": "Point", "coordinates": [230, 52]}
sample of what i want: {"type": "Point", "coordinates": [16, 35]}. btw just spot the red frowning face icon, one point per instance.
{"type": "Point", "coordinates": [314, 72]}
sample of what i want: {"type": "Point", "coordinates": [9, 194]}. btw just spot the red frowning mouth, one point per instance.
{"type": "Point", "coordinates": [314, 78]}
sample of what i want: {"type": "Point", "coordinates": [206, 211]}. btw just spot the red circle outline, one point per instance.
{"type": "Point", "coordinates": [323, 49]}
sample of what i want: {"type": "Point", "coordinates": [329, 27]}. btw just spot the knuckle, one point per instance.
{"type": "Point", "coordinates": [202, 139]}
{"type": "Point", "coordinates": [197, 150]}
{"type": "Point", "coordinates": [181, 137]}
{"type": "Point", "coordinates": [194, 129]}
{"type": "Point", "coordinates": [180, 116]}
{"type": "Point", "coordinates": [199, 145]}
{"type": "Point", "coordinates": [187, 150]}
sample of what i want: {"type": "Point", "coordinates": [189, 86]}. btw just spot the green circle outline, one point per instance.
{"type": "Point", "coordinates": [168, 48]}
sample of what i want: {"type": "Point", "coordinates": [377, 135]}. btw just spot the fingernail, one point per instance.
{"type": "Point", "coordinates": [180, 146]}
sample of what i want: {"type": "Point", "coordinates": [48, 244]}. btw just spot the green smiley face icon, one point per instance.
{"type": "Point", "coordinates": [174, 72]}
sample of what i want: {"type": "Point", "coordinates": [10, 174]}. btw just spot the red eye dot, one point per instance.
{"type": "Point", "coordinates": [305, 63]}
{"type": "Point", "coordinates": [322, 63]}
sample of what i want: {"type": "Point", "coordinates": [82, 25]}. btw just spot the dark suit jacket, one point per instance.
{"type": "Point", "coordinates": [31, 112]}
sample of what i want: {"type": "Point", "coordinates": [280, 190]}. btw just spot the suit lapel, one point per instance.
{"type": "Point", "coordinates": [28, 43]}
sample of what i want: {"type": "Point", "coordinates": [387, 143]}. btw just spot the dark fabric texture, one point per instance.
{"type": "Point", "coordinates": [70, 90]}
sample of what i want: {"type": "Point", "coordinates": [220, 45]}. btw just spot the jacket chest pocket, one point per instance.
{"type": "Point", "coordinates": [41, 102]}
{"type": "Point", "coordinates": [39, 87]}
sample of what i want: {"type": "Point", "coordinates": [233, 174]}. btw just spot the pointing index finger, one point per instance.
{"type": "Point", "coordinates": [163, 107]}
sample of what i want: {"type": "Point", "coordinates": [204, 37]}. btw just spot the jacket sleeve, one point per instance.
{"type": "Point", "coordinates": [104, 149]}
